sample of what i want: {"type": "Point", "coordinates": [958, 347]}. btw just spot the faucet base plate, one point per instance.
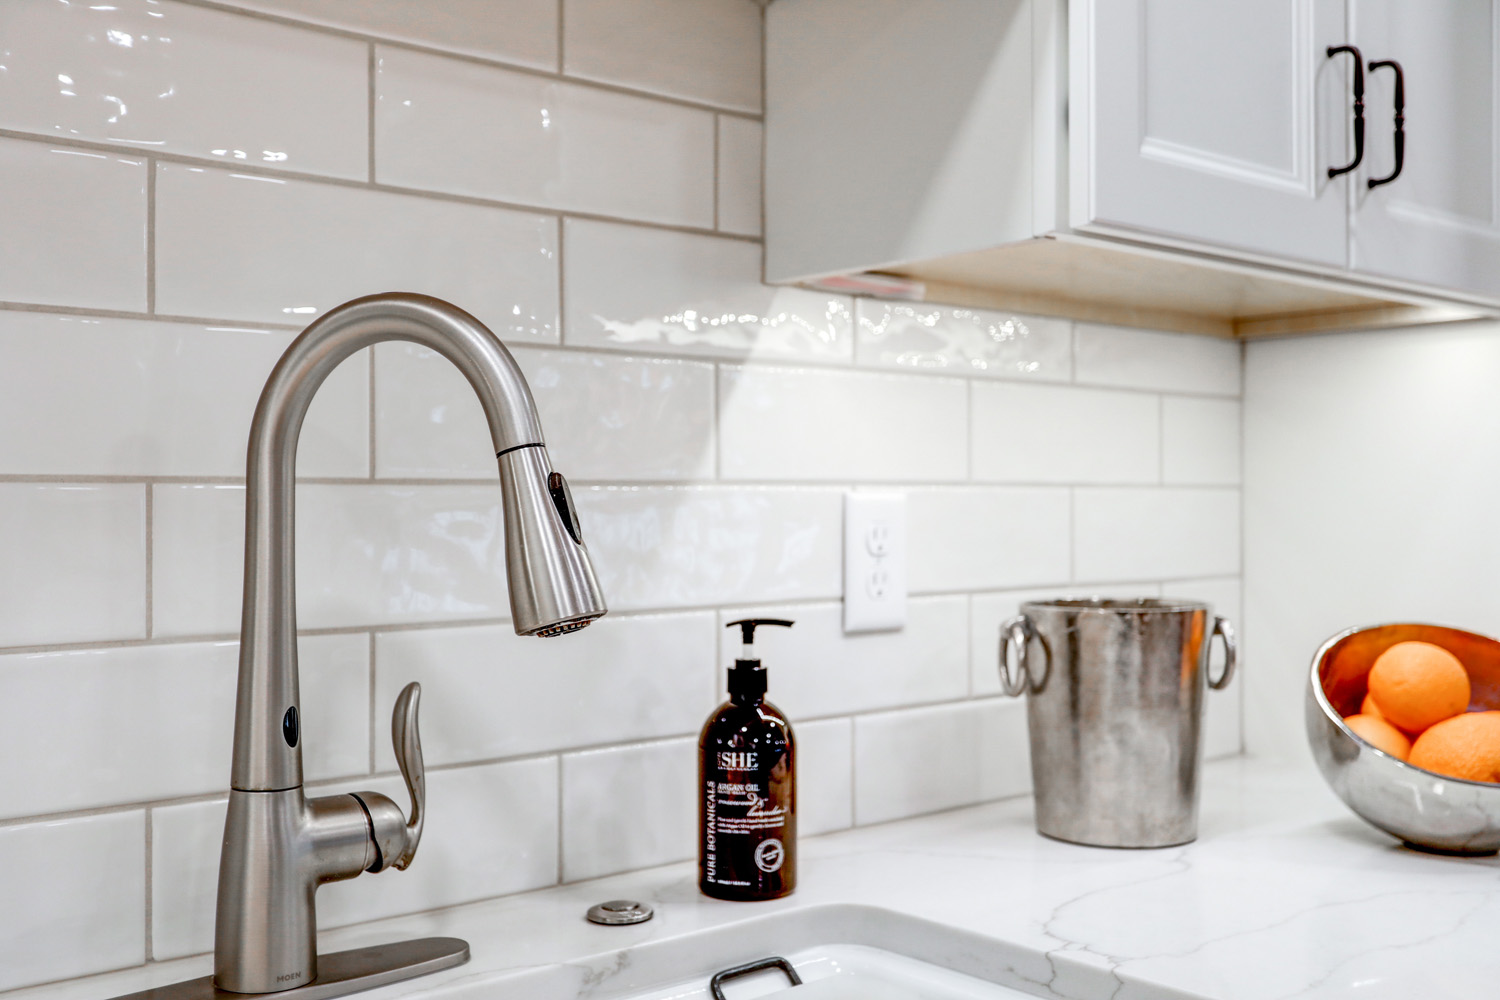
{"type": "Point", "coordinates": [339, 972]}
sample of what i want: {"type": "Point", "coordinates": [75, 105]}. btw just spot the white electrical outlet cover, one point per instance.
{"type": "Point", "coordinates": [874, 561]}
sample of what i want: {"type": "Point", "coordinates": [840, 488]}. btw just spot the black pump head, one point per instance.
{"type": "Point", "coordinates": [748, 626]}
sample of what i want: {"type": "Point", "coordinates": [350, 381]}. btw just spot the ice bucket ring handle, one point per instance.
{"type": "Point", "coordinates": [1016, 633]}
{"type": "Point", "coordinates": [1225, 631]}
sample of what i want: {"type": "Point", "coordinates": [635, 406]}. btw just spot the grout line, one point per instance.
{"type": "Point", "coordinates": [370, 139]}
{"type": "Point", "coordinates": [374, 708]}
{"type": "Point", "coordinates": [560, 818]}
{"type": "Point", "coordinates": [254, 170]}
{"type": "Point", "coordinates": [150, 556]}
{"type": "Point", "coordinates": [150, 944]}
{"type": "Point", "coordinates": [151, 236]}
{"type": "Point", "coordinates": [369, 416]}
{"type": "Point", "coordinates": [252, 326]}
{"type": "Point", "coordinates": [718, 181]}
{"type": "Point", "coordinates": [492, 62]}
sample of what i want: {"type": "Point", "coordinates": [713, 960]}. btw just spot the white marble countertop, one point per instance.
{"type": "Point", "coordinates": [1285, 894]}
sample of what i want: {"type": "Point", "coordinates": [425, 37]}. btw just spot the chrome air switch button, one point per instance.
{"type": "Point", "coordinates": [620, 911]}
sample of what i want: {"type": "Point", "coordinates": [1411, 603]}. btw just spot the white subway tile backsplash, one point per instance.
{"type": "Point", "coordinates": [543, 142]}
{"type": "Point", "coordinates": [488, 692]}
{"type": "Point", "coordinates": [78, 892]}
{"type": "Point", "coordinates": [970, 752]}
{"type": "Point", "coordinates": [179, 78]}
{"type": "Point", "coordinates": [1063, 434]}
{"type": "Point", "coordinates": [629, 807]}
{"type": "Point", "coordinates": [800, 424]}
{"type": "Point", "coordinates": [491, 830]}
{"type": "Point", "coordinates": [697, 546]}
{"type": "Point", "coordinates": [1135, 534]}
{"type": "Point", "coordinates": [159, 399]}
{"type": "Point", "coordinates": [987, 612]}
{"type": "Point", "coordinates": [516, 31]}
{"type": "Point", "coordinates": [278, 250]}
{"type": "Point", "coordinates": [74, 227]}
{"type": "Point", "coordinates": [153, 722]}
{"type": "Point", "coordinates": [740, 141]}
{"type": "Point", "coordinates": [977, 538]}
{"type": "Point", "coordinates": [1148, 359]}
{"type": "Point", "coordinates": [818, 670]}
{"type": "Point", "coordinates": [947, 340]}
{"type": "Point", "coordinates": [653, 290]}
{"type": "Point", "coordinates": [367, 554]}
{"type": "Point", "coordinates": [646, 418]}
{"type": "Point", "coordinates": [74, 564]}
{"type": "Point", "coordinates": [1200, 441]}
{"type": "Point", "coordinates": [699, 50]}
{"type": "Point", "coordinates": [825, 775]}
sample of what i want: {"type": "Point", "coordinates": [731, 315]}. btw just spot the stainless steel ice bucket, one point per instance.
{"type": "Point", "coordinates": [1114, 703]}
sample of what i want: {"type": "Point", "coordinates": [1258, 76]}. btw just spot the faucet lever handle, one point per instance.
{"type": "Point", "coordinates": [407, 740]}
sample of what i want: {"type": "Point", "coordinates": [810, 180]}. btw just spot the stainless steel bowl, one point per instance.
{"type": "Point", "coordinates": [1424, 809]}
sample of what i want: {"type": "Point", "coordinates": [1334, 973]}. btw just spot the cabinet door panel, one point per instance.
{"type": "Point", "coordinates": [1436, 223]}
{"type": "Point", "coordinates": [1213, 122]}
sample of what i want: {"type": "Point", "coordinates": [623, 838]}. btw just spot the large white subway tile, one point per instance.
{"type": "Point", "coordinates": [100, 727]}
{"type": "Point", "coordinates": [984, 538]}
{"type": "Point", "coordinates": [491, 830]}
{"type": "Point", "coordinates": [180, 78]}
{"type": "Point", "coordinates": [74, 563]}
{"type": "Point", "coordinates": [1222, 717]}
{"type": "Point", "coordinates": [970, 752]}
{"type": "Point", "coordinates": [987, 612]}
{"type": "Point", "coordinates": [158, 399]}
{"type": "Point", "coordinates": [518, 31]}
{"type": "Point", "coordinates": [367, 554]}
{"type": "Point", "coordinates": [75, 897]}
{"type": "Point", "coordinates": [812, 424]}
{"type": "Point", "coordinates": [697, 546]}
{"type": "Point", "coordinates": [1136, 534]}
{"type": "Point", "coordinates": [634, 288]}
{"type": "Point", "coordinates": [542, 141]}
{"type": "Point", "coordinates": [628, 807]}
{"type": "Point", "coordinates": [816, 669]}
{"type": "Point", "coordinates": [1200, 441]}
{"type": "Point", "coordinates": [1064, 434]}
{"type": "Point", "coordinates": [605, 416]}
{"type": "Point", "coordinates": [739, 175]}
{"type": "Point", "coordinates": [488, 692]}
{"type": "Point", "coordinates": [915, 335]}
{"type": "Point", "coordinates": [275, 250]}
{"type": "Point", "coordinates": [1147, 359]}
{"type": "Point", "coordinates": [825, 775]}
{"type": "Point", "coordinates": [74, 227]}
{"type": "Point", "coordinates": [701, 50]}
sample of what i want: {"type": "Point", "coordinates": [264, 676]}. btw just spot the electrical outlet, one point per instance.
{"type": "Point", "coordinates": [874, 561]}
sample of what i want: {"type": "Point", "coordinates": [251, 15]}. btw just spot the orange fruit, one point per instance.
{"type": "Point", "coordinates": [1380, 734]}
{"type": "Point", "coordinates": [1416, 684]}
{"type": "Point", "coordinates": [1465, 746]}
{"type": "Point", "coordinates": [1368, 707]}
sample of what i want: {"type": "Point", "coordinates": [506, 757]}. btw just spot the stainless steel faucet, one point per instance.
{"type": "Point", "coordinates": [279, 845]}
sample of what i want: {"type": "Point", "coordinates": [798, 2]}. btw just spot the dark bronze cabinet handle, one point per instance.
{"type": "Point", "coordinates": [1359, 108]}
{"type": "Point", "coordinates": [1398, 139]}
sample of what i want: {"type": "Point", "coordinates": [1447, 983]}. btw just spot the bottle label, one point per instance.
{"type": "Point", "coordinates": [747, 822]}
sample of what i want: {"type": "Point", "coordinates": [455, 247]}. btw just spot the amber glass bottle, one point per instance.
{"type": "Point", "coordinates": [747, 788]}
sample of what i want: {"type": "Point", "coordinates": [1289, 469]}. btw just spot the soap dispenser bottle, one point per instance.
{"type": "Point", "coordinates": [747, 787]}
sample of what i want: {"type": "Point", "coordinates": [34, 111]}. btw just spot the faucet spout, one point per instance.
{"type": "Point", "coordinates": [278, 845]}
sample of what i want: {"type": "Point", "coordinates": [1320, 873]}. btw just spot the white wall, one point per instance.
{"type": "Point", "coordinates": [1371, 470]}
{"type": "Point", "coordinates": [187, 186]}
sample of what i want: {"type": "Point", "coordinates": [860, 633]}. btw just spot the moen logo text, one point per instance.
{"type": "Point", "coordinates": [736, 760]}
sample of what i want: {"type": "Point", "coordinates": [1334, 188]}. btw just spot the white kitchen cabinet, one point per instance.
{"type": "Point", "coordinates": [1148, 162]}
{"type": "Point", "coordinates": [1436, 223]}
{"type": "Point", "coordinates": [1213, 122]}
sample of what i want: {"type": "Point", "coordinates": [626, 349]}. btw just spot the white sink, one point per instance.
{"type": "Point", "coordinates": [841, 952]}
